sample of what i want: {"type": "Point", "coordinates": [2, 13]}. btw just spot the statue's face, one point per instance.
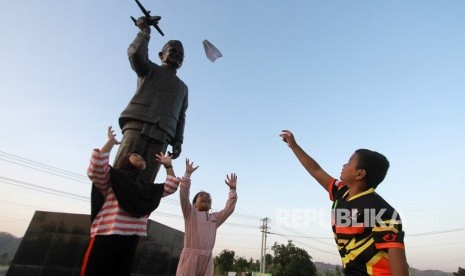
{"type": "Point", "coordinates": [172, 56]}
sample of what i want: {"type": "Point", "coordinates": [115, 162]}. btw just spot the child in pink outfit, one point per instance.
{"type": "Point", "coordinates": [200, 226]}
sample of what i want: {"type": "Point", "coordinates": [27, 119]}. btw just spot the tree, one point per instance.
{"type": "Point", "coordinates": [241, 264]}
{"type": "Point", "coordinates": [268, 261]}
{"type": "Point", "coordinates": [337, 272]}
{"type": "Point", "coordinates": [224, 261]}
{"type": "Point", "coordinates": [290, 260]}
{"type": "Point", "coordinates": [461, 272]}
{"type": "Point", "coordinates": [254, 265]}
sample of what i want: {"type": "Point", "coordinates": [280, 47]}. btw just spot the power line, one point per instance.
{"type": "Point", "coordinates": [435, 245]}
{"type": "Point", "coordinates": [303, 237]}
{"type": "Point", "coordinates": [308, 246]}
{"type": "Point", "coordinates": [19, 204]}
{"type": "Point", "coordinates": [30, 186]}
{"type": "Point", "coordinates": [17, 160]}
{"type": "Point", "coordinates": [21, 161]}
{"type": "Point", "coordinates": [42, 189]}
{"type": "Point", "coordinates": [436, 232]}
{"type": "Point", "coordinates": [407, 235]}
{"type": "Point", "coordinates": [317, 249]}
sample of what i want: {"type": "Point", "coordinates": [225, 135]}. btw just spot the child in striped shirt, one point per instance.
{"type": "Point", "coordinates": [126, 202]}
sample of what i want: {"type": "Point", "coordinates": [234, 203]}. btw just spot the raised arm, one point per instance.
{"type": "Point", "coordinates": [186, 206]}
{"type": "Point", "coordinates": [312, 167]}
{"type": "Point", "coordinates": [99, 167]}
{"type": "Point", "coordinates": [171, 183]}
{"type": "Point", "coordinates": [111, 141]}
{"type": "Point", "coordinates": [231, 181]}
{"type": "Point", "coordinates": [165, 160]}
{"type": "Point", "coordinates": [138, 51]}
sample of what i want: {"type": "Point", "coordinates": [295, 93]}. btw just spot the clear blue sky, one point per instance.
{"type": "Point", "coordinates": [342, 75]}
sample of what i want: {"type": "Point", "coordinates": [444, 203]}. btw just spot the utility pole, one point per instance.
{"type": "Point", "coordinates": [264, 230]}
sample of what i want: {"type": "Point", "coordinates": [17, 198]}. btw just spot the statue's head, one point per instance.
{"type": "Point", "coordinates": [172, 54]}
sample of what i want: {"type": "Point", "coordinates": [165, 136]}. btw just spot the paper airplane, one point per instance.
{"type": "Point", "coordinates": [211, 51]}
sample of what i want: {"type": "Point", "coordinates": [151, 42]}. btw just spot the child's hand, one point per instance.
{"type": "Point", "coordinates": [288, 137]}
{"type": "Point", "coordinates": [190, 167]}
{"type": "Point", "coordinates": [165, 159]}
{"type": "Point", "coordinates": [112, 136]}
{"type": "Point", "coordinates": [231, 181]}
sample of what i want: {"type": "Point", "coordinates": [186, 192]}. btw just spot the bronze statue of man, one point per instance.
{"type": "Point", "coordinates": [155, 116]}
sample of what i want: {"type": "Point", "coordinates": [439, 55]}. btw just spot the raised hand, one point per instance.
{"type": "Point", "coordinates": [164, 158]}
{"type": "Point", "coordinates": [112, 136]}
{"type": "Point", "coordinates": [231, 181]}
{"type": "Point", "coordinates": [143, 24]}
{"type": "Point", "coordinates": [288, 137]}
{"type": "Point", "coordinates": [190, 167]}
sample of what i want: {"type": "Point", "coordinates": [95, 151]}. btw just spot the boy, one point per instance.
{"type": "Point", "coordinates": [367, 230]}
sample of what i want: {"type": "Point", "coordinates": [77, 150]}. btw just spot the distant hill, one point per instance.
{"type": "Point", "coordinates": [417, 272]}
{"type": "Point", "coordinates": [324, 267]}
{"type": "Point", "coordinates": [8, 245]}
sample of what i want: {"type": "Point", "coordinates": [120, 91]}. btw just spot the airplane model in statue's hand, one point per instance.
{"type": "Point", "coordinates": [151, 20]}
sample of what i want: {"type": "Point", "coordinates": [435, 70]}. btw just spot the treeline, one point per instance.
{"type": "Point", "coordinates": [287, 260]}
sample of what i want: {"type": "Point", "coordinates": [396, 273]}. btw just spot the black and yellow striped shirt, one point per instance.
{"type": "Point", "coordinates": [365, 227]}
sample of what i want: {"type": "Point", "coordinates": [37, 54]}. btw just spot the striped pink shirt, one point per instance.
{"type": "Point", "coordinates": [111, 219]}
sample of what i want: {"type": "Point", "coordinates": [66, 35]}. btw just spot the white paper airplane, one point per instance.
{"type": "Point", "coordinates": [211, 51]}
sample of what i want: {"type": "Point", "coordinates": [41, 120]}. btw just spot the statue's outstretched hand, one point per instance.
{"type": "Point", "coordinates": [142, 24]}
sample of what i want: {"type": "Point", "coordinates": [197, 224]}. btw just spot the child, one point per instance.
{"type": "Point", "coordinates": [126, 202]}
{"type": "Point", "coordinates": [200, 226]}
{"type": "Point", "coordinates": [367, 230]}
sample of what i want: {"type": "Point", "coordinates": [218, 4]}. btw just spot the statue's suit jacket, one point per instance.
{"type": "Point", "coordinates": [161, 98]}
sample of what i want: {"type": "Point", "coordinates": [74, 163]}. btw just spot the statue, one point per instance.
{"type": "Point", "coordinates": [155, 116]}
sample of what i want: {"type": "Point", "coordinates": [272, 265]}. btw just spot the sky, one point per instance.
{"type": "Point", "coordinates": [341, 75]}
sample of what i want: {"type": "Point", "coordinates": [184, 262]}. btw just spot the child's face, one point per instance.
{"type": "Point", "coordinates": [349, 172]}
{"type": "Point", "coordinates": [203, 202]}
{"type": "Point", "coordinates": [137, 161]}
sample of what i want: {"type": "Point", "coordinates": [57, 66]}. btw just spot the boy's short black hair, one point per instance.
{"type": "Point", "coordinates": [375, 165]}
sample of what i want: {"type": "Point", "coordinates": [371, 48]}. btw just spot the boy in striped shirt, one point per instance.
{"type": "Point", "coordinates": [367, 230]}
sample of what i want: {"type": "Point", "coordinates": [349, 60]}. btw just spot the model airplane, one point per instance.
{"type": "Point", "coordinates": [151, 20]}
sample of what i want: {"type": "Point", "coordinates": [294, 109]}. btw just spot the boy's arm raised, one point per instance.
{"type": "Point", "coordinates": [308, 162]}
